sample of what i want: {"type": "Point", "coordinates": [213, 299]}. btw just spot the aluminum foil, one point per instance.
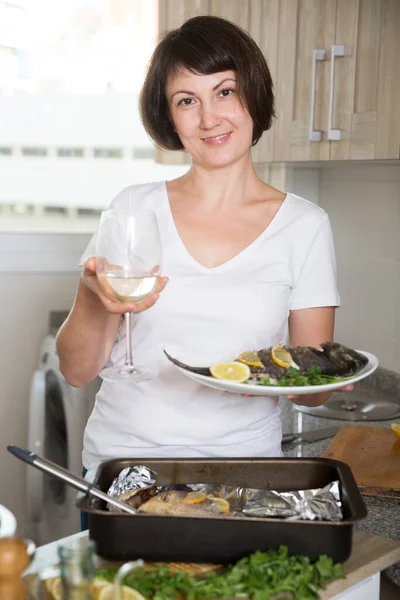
{"type": "Point", "coordinates": [131, 478]}
{"type": "Point", "coordinates": [320, 504]}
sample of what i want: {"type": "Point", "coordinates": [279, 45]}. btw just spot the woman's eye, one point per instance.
{"type": "Point", "coordinates": [226, 92]}
{"type": "Point", "coordinates": [185, 102]}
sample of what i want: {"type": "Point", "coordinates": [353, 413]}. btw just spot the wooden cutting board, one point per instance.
{"type": "Point", "coordinates": [373, 454]}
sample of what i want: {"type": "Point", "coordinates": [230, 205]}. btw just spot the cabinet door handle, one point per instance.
{"type": "Point", "coordinates": [314, 134]}
{"type": "Point", "coordinates": [333, 134]}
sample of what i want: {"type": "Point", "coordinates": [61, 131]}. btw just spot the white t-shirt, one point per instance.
{"type": "Point", "coordinates": [206, 315]}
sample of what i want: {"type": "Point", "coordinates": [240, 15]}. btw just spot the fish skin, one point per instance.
{"type": "Point", "coordinates": [308, 356]}
{"type": "Point", "coordinates": [198, 370]}
{"type": "Point", "coordinates": [347, 360]}
{"type": "Point", "coordinates": [270, 368]}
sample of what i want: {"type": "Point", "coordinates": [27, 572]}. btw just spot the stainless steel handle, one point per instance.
{"type": "Point", "coordinates": [314, 134]}
{"type": "Point", "coordinates": [80, 484]}
{"type": "Point", "coordinates": [333, 134]}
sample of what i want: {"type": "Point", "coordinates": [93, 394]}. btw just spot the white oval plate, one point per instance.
{"type": "Point", "coordinates": [277, 390]}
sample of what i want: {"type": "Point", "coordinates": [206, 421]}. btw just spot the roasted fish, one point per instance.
{"type": "Point", "coordinates": [347, 361]}
{"type": "Point", "coordinates": [334, 360]}
{"type": "Point", "coordinates": [185, 504]}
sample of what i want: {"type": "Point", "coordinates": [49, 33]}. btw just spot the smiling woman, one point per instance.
{"type": "Point", "coordinates": [205, 46]}
{"type": "Point", "coordinates": [248, 266]}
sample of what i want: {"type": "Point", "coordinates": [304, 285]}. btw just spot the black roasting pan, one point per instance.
{"type": "Point", "coordinates": [125, 537]}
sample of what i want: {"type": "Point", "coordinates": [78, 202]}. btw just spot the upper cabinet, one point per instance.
{"type": "Point", "coordinates": [335, 67]}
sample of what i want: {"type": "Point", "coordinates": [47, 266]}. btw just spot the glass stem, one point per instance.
{"type": "Point", "coordinates": [128, 353]}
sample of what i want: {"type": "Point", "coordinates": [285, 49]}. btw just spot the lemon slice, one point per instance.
{"type": "Point", "coordinates": [96, 586]}
{"type": "Point", "coordinates": [281, 356]}
{"type": "Point", "coordinates": [222, 504]}
{"type": "Point", "coordinates": [250, 358]}
{"type": "Point", "coordinates": [231, 371]}
{"type": "Point", "coordinates": [396, 429]}
{"type": "Point", "coordinates": [194, 498]}
{"type": "Point", "coordinates": [127, 593]}
{"type": "Point", "coordinates": [54, 586]}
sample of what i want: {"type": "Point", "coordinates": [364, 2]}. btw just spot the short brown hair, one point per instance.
{"type": "Point", "coordinates": [206, 45]}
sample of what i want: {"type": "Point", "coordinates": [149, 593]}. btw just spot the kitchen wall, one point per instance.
{"type": "Point", "coordinates": [38, 274]}
{"type": "Point", "coordinates": [363, 202]}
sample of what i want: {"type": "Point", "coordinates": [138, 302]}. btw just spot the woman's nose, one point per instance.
{"type": "Point", "coordinates": [209, 117]}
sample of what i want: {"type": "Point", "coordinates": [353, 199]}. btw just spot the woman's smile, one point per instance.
{"type": "Point", "coordinates": [217, 140]}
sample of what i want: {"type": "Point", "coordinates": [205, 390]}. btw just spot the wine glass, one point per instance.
{"type": "Point", "coordinates": [128, 267]}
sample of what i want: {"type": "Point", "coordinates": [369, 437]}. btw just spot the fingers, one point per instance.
{"type": "Point", "coordinates": [162, 282]}
{"type": "Point", "coordinates": [90, 265]}
{"type": "Point", "coordinates": [109, 299]}
{"type": "Point", "coordinates": [151, 300]}
{"type": "Point", "coordinates": [346, 388]}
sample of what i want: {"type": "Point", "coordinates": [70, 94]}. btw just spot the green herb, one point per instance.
{"type": "Point", "coordinates": [295, 377]}
{"type": "Point", "coordinates": [260, 576]}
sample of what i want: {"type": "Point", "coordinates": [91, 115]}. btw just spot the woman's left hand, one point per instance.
{"type": "Point", "coordinates": [317, 399]}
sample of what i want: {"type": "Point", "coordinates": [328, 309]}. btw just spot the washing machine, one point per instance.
{"type": "Point", "coordinates": [58, 413]}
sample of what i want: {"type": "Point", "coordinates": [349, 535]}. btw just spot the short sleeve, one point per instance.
{"type": "Point", "coordinates": [315, 284]}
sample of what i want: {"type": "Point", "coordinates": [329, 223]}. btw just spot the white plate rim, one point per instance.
{"type": "Point", "coordinates": [259, 390]}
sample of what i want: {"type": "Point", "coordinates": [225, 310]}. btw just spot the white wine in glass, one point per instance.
{"type": "Point", "coordinates": [128, 267]}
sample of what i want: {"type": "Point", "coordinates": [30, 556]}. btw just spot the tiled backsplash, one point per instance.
{"type": "Point", "coordinates": [363, 202]}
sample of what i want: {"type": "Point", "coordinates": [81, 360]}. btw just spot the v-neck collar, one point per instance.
{"type": "Point", "coordinates": [270, 228]}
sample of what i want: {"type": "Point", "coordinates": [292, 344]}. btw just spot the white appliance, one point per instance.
{"type": "Point", "coordinates": [58, 413]}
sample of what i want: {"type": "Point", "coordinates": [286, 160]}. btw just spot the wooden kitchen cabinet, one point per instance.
{"type": "Point", "coordinates": [366, 105]}
{"type": "Point", "coordinates": [335, 67]}
{"type": "Point", "coordinates": [337, 84]}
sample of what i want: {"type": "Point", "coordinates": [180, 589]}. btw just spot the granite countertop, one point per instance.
{"type": "Point", "coordinates": [383, 513]}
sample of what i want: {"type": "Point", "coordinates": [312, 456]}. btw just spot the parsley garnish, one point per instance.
{"type": "Point", "coordinates": [260, 576]}
{"type": "Point", "coordinates": [295, 377]}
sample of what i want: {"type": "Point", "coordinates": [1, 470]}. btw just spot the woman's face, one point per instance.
{"type": "Point", "coordinates": [212, 123]}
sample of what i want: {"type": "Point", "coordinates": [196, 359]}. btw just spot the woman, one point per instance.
{"type": "Point", "coordinates": [248, 265]}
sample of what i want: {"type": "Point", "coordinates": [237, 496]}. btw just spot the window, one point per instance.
{"type": "Point", "coordinates": [5, 151]}
{"type": "Point", "coordinates": [143, 153]}
{"type": "Point", "coordinates": [55, 210]}
{"type": "Point", "coordinates": [107, 152]}
{"type": "Point", "coordinates": [70, 130]}
{"type": "Point", "coordinates": [16, 209]}
{"type": "Point", "coordinates": [34, 151]}
{"type": "Point", "coordinates": [70, 152]}
{"type": "Point", "coordinates": [89, 212]}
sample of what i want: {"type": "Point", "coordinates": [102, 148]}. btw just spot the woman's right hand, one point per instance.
{"type": "Point", "coordinates": [89, 278]}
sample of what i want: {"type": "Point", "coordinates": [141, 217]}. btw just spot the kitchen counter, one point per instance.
{"type": "Point", "coordinates": [383, 513]}
{"type": "Point", "coordinates": [370, 555]}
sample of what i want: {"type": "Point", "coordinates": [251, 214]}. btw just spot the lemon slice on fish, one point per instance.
{"type": "Point", "coordinates": [250, 358]}
{"type": "Point", "coordinates": [281, 356]}
{"type": "Point", "coordinates": [231, 371]}
{"type": "Point", "coordinates": [222, 504]}
{"type": "Point", "coordinates": [194, 498]}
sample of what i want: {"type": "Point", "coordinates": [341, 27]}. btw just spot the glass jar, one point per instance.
{"type": "Point", "coordinates": [77, 568]}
